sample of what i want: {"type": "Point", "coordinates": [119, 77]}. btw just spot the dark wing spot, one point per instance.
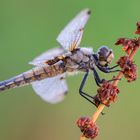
{"type": "Point", "coordinates": [66, 93]}
{"type": "Point", "coordinates": [89, 12]}
{"type": "Point", "coordinates": [62, 78]}
{"type": "Point", "coordinates": [81, 29]}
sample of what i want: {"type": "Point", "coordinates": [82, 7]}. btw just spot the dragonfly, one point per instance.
{"type": "Point", "coordinates": [48, 75]}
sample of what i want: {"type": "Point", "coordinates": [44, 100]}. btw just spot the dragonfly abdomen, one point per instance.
{"type": "Point", "coordinates": [35, 74]}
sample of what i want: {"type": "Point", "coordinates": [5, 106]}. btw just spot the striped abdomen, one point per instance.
{"type": "Point", "coordinates": [37, 73]}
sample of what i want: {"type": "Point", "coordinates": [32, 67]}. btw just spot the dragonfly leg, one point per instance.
{"type": "Point", "coordinates": [83, 94]}
{"type": "Point", "coordinates": [110, 68]}
{"type": "Point", "coordinates": [91, 99]}
{"type": "Point", "coordinates": [97, 78]}
{"type": "Point", "coordinates": [107, 69]}
{"type": "Point", "coordinates": [100, 81]}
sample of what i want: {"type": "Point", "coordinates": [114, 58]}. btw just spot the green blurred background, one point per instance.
{"type": "Point", "coordinates": [29, 27]}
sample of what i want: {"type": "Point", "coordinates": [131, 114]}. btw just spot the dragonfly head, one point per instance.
{"type": "Point", "coordinates": [105, 56]}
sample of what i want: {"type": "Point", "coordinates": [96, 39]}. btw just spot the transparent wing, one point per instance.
{"type": "Point", "coordinates": [52, 90]}
{"type": "Point", "coordinates": [50, 54]}
{"type": "Point", "coordinates": [70, 37]}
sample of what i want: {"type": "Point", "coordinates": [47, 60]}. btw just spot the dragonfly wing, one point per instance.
{"type": "Point", "coordinates": [52, 90]}
{"type": "Point", "coordinates": [50, 54]}
{"type": "Point", "coordinates": [70, 37]}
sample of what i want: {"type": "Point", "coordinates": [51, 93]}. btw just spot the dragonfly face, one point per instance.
{"type": "Point", "coordinates": [50, 68]}
{"type": "Point", "coordinates": [105, 56]}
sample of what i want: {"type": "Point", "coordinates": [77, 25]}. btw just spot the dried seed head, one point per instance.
{"type": "Point", "coordinates": [87, 127]}
{"type": "Point", "coordinates": [123, 41]}
{"type": "Point", "coordinates": [129, 69]}
{"type": "Point", "coordinates": [123, 61]}
{"type": "Point", "coordinates": [138, 28]}
{"type": "Point", "coordinates": [128, 44]}
{"type": "Point", "coordinates": [107, 93]}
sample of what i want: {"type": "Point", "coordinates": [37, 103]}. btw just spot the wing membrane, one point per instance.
{"type": "Point", "coordinates": [50, 54]}
{"type": "Point", "coordinates": [51, 90]}
{"type": "Point", "coordinates": [70, 37]}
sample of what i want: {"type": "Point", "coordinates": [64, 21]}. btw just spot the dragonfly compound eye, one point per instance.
{"type": "Point", "coordinates": [105, 56]}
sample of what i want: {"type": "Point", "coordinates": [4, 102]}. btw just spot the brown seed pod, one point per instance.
{"type": "Point", "coordinates": [129, 69]}
{"type": "Point", "coordinates": [138, 28]}
{"type": "Point", "coordinates": [128, 44]}
{"type": "Point", "coordinates": [107, 93]}
{"type": "Point", "coordinates": [87, 127]}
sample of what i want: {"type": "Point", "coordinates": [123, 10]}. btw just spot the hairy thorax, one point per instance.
{"type": "Point", "coordinates": [79, 59]}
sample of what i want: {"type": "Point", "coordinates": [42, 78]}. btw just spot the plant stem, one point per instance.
{"type": "Point", "coordinates": [119, 76]}
{"type": "Point", "coordinates": [97, 112]}
{"type": "Point", "coordinates": [115, 83]}
{"type": "Point", "coordinates": [82, 137]}
{"type": "Point", "coordinates": [133, 53]}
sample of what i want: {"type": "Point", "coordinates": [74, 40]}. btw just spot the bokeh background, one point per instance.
{"type": "Point", "coordinates": [30, 27]}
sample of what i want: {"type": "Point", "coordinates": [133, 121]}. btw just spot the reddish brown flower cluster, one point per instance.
{"type": "Point", "coordinates": [107, 93]}
{"type": "Point", "coordinates": [128, 44]}
{"type": "Point", "coordinates": [129, 69]}
{"type": "Point", "coordinates": [88, 127]}
{"type": "Point", "coordinates": [138, 28]}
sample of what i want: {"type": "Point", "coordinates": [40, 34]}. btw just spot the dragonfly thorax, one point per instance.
{"type": "Point", "coordinates": [79, 59]}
